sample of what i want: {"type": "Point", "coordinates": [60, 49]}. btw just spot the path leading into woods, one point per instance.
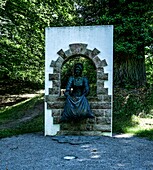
{"type": "Point", "coordinates": [37, 152]}
{"type": "Point", "coordinates": [12, 100]}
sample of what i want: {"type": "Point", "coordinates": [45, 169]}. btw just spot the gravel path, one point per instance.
{"type": "Point", "coordinates": [36, 152]}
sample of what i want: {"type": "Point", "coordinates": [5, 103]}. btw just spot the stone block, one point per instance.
{"type": "Point", "coordinates": [101, 120]}
{"type": "Point", "coordinates": [102, 76]}
{"type": "Point", "coordinates": [56, 84]}
{"type": "Point", "coordinates": [102, 128]}
{"type": "Point", "coordinates": [100, 69]}
{"type": "Point", "coordinates": [100, 98]}
{"type": "Point", "coordinates": [100, 105]}
{"type": "Point", "coordinates": [90, 121]}
{"type": "Point", "coordinates": [95, 52]}
{"type": "Point", "coordinates": [91, 133]}
{"type": "Point", "coordinates": [62, 54]}
{"type": "Point", "coordinates": [59, 62]}
{"type": "Point", "coordinates": [49, 98]}
{"type": "Point", "coordinates": [102, 91]}
{"type": "Point", "coordinates": [108, 120]}
{"type": "Point", "coordinates": [103, 63]}
{"type": "Point", "coordinates": [108, 112]}
{"type": "Point", "coordinates": [107, 98]}
{"type": "Point", "coordinates": [98, 112]}
{"type": "Point", "coordinates": [64, 126]}
{"type": "Point", "coordinates": [57, 70]}
{"type": "Point", "coordinates": [54, 76]}
{"type": "Point", "coordinates": [68, 53]}
{"type": "Point", "coordinates": [100, 83]}
{"type": "Point", "coordinates": [88, 127]}
{"type": "Point", "coordinates": [53, 98]}
{"type": "Point", "coordinates": [70, 126]}
{"type": "Point", "coordinates": [81, 127]}
{"type": "Point", "coordinates": [54, 91]}
{"type": "Point", "coordinates": [92, 99]}
{"type": "Point", "coordinates": [97, 61]}
{"type": "Point", "coordinates": [78, 48]}
{"type": "Point", "coordinates": [56, 119]}
{"type": "Point", "coordinates": [87, 133]}
{"type": "Point", "coordinates": [55, 105]}
{"type": "Point", "coordinates": [88, 53]}
{"type": "Point", "coordinates": [53, 63]}
{"type": "Point", "coordinates": [68, 132]}
{"type": "Point", "coordinates": [104, 98]}
{"type": "Point", "coordinates": [56, 112]}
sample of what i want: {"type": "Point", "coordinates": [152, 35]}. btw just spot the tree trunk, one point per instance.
{"type": "Point", "coordinates": [129, 71]}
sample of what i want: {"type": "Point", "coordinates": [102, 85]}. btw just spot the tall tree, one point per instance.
{"type": "Point", "coordinates": [132, 22]}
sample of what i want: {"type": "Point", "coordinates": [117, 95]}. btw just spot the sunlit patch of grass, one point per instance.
{"type": "Point", "coordinates": [143, 128]}
{"type": "Point", "coordinates": [133, 112]}
{"type": "Point", "coordinates": [17, 112]}
{"type": "Point", "coordinates": [140, 132]}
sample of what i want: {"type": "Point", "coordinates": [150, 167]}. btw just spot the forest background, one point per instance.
{"type": "Point", "coordinates": [22, 44]}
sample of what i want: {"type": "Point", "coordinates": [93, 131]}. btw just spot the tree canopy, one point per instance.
{"type": "Point", "coordinates": [23, 38]}
{"type": "Point", "coordinates": [133, 29]}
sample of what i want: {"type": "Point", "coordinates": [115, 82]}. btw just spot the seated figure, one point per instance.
{"type": "Point", "coordinates": [76, 105]}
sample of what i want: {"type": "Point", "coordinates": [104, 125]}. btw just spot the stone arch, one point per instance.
{"type": "Point", "coordinates": [78, 49]}
{"type": "Point", "coordinates": [100, 104]}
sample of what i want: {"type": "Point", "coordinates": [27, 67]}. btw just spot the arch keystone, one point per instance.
{"type": "Point", "coordinates": [78, 48]}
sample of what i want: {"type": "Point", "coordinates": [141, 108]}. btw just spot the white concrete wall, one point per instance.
{"type": "Point", "coordinates": [100, 37]}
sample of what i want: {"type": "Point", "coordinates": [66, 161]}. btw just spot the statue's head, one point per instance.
{"type": "Point", "coordinates": [78, 68]}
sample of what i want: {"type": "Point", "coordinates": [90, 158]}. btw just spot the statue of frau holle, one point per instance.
{"type": "Point", "coordinates": [76, 105]}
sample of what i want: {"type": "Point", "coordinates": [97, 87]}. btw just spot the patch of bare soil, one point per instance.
{"type": "Point", "coordinates": [10, 100]}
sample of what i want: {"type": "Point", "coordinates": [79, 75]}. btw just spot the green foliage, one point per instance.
{"type": "Point", "coordinates": [149, 68]}
{"type": "Point", "coordinates": [129, 103]}
{"type": "Point", "coordinates": [23, 38]}
{"type": "Point", "coordinates": [132, 33]}
{"type": "Point", "coordinates": [89, 71]}
{"type": "Point", "coordinates": [34, 125]}
{"type": "Point", "coordinates": [145, 133]}
{"type": "Point", "coordinates": [132, 23]}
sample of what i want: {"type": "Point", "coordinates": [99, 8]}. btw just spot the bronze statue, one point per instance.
{"type": "Point", "coordinates": [76, 105]}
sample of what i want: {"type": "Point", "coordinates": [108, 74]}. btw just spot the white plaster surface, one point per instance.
{"type": "Point", "coordinates": [50, 128]}
{"type": "Point", "coordinates": [100, 37]}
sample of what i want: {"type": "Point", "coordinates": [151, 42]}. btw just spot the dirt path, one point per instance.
{"type": "Point", "coordinates": [11, 100]}
{"type": "Point", "coordinates": [34, 112]}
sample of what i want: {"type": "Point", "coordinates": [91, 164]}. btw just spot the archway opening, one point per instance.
{"type": "Point", "coordinates": [89, 71]}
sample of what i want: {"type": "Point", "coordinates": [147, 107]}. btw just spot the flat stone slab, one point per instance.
{"type": "Point", "coordinates": [75, 140]}
{"type": "Point", "coordinates": [34, 151]}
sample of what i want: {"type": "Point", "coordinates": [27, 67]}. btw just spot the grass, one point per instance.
{"type": "Point", "coordinates": [133, 112]}
{"type": "Point", "coordinates": [35, 125]}
{"type": "Point", "coordinates": [143, 127]}
{"type": "Point", "coordinates": [134, 128]}
{"type": "Point", "coordinates": [17, 112]}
